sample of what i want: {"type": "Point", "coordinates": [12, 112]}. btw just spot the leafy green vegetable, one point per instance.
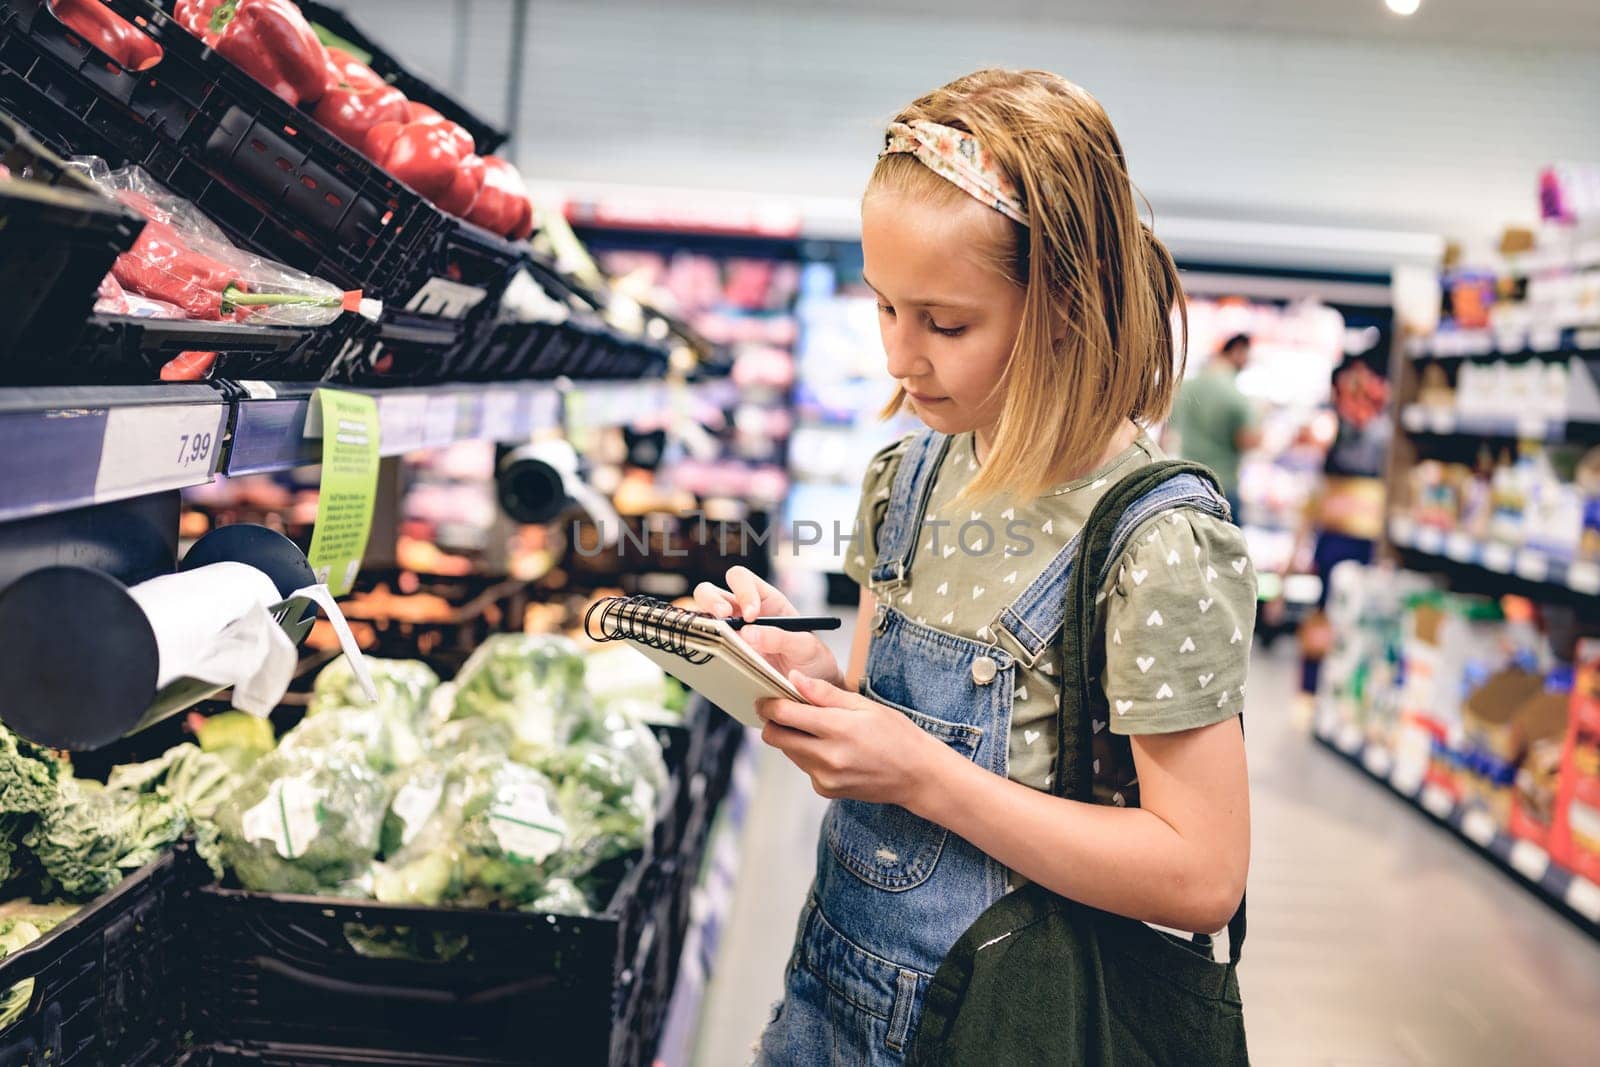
{"type": "Point", "coordinates": [561, 896]}
{"type": "Point", "coordinates": [198, 780]}
{"type": "Point", "coordinates": [497, 836]}
{"type": "Point", "coordinates": [91, 838]}
{"type": "Point", "coordinates": [303, 821]}
{"type": "Point", "coordinates": [24, 924]}
{"type": "Point", "coordinates": [384, 740]}
{"type": "Point", "coordinates": [30, 776]}
{"type": "Point", "coordinates": [535, 683]}
{"type": "Point", "coordinates": [403, 685]}
{"type": "Point", "coordinates": [237, 737]}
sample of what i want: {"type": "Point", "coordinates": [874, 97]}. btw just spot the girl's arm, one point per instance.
{"type": "Point", "coordinates": [1178, 861]}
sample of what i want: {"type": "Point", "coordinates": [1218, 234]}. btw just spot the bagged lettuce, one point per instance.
{"type": "Point", "coordinates": [533, 682]}
{"type": "Point", "coordinates": [496, 838]}
{"type": "Point", "coordinates": [404, 687]}
{"type": "Point", "coordinates": [93, 837]}
{"type": "Point", "coordinates": [384, 740]}
{"type": "Point", "coordinates": [303, 820]}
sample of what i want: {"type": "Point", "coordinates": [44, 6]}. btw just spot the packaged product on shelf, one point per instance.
{"type": "Point", "coordinates": [1504, 720]}
{"type": "Point", "coordinates": [183, 259]}
{"type": "Point", "coordinates": [1575, 828]}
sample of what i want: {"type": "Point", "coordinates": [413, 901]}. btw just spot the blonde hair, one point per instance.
{"type": "Point", "coordinates": [1097, 344]}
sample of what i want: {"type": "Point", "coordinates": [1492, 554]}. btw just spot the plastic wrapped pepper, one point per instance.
{"type": "Point", "coordinates": [270, 40]}
{"type": "Point", "coordinates": [503, 205]}
{"type": "Point", "coordinates": [114, 35]}
{"type": "Point", "coordinates": [161, 266]}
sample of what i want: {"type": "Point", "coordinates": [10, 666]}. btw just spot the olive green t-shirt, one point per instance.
{"type": "Point", "coordinates": [1208, 414]}
{"type": "Point", "coordinates": [1178, 606]}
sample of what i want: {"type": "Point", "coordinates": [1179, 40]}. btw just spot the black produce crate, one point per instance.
{"type": "Point", "coordinates": [118, 350]}
{"type": "Point", "coordinates": [58, 238]}
{"type": "Point", "coordinates": [109, 982]}
{"type": "Point", "coordinates": [632, 1042]}
{"type": "Point", "coordinates": [522, 988]}
{"type": "Point", "coordinates": [404, 349]}
{"type": "Point", "coordinates": [486, 136]}
{"type": "Point", "coordinates": [266, 172]}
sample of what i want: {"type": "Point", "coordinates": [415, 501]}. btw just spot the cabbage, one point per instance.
{"type": "Point", "coordinates": [303, 820]}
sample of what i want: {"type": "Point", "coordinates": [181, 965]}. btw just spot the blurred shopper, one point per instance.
{"type": "Point", "coordinates": [1214, 422]}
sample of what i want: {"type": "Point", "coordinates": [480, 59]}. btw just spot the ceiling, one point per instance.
{"type": "Point", "coordinates": [1568, 24]}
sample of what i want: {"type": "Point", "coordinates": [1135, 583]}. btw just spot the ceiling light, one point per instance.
{"type": "Point", "coordinates": [1403, 7]}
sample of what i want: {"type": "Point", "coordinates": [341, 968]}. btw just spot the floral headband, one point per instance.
{"type": "Point", "coordinates": [958, 158]}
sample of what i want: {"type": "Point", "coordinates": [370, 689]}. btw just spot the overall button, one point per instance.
{"type": "Point", "coordinates": [983, 670]}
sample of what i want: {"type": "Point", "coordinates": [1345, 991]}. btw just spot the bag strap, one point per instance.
{"type": "Point", "coordinates": [1096, 544]}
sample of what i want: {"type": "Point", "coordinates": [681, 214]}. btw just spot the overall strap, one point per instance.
{"type": "Point", "coordinates": [1102, 540]}
{"type": "Point", "coordinates": [908, 503]}
{"type": "Point", "coordinates": [1033, 620]}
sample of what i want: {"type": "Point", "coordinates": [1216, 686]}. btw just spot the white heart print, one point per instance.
{"type": "Point", "coordinates": [1139, 576]}
{"type": "Point", "coordinates": [949, 550]}
{"type": "Point", "coordinates": [944, 587]}
{"type": "Point", "coordinates": [1205, 680]}
{"type": "Point", "coordinates": [977, 591]}
{"type": "Point", "coordinates": [1030, 736]}
{"type": "Point", "coordinates": [1205, 605]}
{"type": "Point", "coordinates": [1154, 619]}
{"type": "Point", "coordinates": [1145, 663]}
{"type": "Point", "coordinates": [1239, 565]}
{"type": "Point", "coordinates": [1187, 646]}
{"type": "Point", "coordinates": [1165, 692]}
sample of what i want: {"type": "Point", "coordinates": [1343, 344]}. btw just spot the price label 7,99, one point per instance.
{"type": "Point", "coordinates": [162, 446]}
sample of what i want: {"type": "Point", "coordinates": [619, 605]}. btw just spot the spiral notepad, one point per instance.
{"type": "Point", "coordinates": [699, 650]}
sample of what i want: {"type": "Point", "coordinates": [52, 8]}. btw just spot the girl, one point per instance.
{"type": "Point", "coordinates": [1027, 315]}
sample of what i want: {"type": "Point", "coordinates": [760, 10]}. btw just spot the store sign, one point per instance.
{"type": "Point", "coordinates": [348, 424]}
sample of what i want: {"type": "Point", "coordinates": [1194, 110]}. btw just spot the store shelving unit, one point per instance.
{"type": "Point", "coordinates": [1574, 896]}
{"type": "Point", "coordinates": [72, 446]}
{"type": "Point", "coordinates": [1427, 424]}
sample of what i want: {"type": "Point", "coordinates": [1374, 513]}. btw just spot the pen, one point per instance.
{"type": "Point", "coordinates": [794, 623]}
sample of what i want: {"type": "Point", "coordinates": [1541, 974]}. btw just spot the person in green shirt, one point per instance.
{"type": "Point", "coordinates": [1213, 420]}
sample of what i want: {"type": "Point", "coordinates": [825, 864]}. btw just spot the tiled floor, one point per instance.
{"type": "Point", "coordinates": [1375, 938]}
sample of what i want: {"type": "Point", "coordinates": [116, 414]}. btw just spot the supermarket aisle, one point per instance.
{"type": "Point", "coordinates": [1375, 938]}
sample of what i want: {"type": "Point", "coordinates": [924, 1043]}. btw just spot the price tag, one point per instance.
{"type": "Point", "coordinates": [1430, 539]}
{"type": "Point", "coordinates": [1584, 576]}
{"type": "Point", "coordinates": [1529, 860]}
{"type": "Point", "coordinates": [1401, 529]}
{"type": "Point", "coordinates": [1441, 420]}
{"type": "Point", "coordinates": [168, 446]}
{"type": "Point", "coordinates": [1461, 548]}
{"type": "Point", "coordinates": [1405, 781]}
{"type": "Point", "coordinates": [1533, 565]}
{"type": "Point", "coordinates": [1498, 557]}
{"type": "Point", "coordinates": [1479, 827]}
{"type": "Point", "coordinates": [350, 450]}
{"type": "Point", "coordinates": [1510, 341]}
{"type": "Point", "coordinates": [1377, 761]}
{"type": "Point", "coordinates": [1349, 739]}
{"type": "Point", "coordinates": [1583, 897]}
{"type": "Point", "coordinates": [1414, 418]}
{"type": "Point", "coordinates": [1436, 802]}
{"type": "Point", "coordinates": [500, 407]}
{"type": "Point", "coordinates": [404, 419]}
{"type": "Point", "coordinates": [439, 422]}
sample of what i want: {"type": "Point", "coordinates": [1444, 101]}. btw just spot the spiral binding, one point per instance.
{"type": "Point", "coordinates": [646, 620]}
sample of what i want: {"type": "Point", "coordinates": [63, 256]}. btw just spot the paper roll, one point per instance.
{"type": "Point", "coordinates": [215, 624]}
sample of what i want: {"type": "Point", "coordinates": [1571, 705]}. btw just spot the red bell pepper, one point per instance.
{"type": "Point", "coordinates": [346, 70]}
{"type": "Point", "coordinates": [503, 205]}
{"type": "Point", "coordinates": [188, 367]}
{"type": "Point", "coordinates": [427, 153]}
{"type": "Point", "coordinates": [350, 113]}
{"type": "Point", "coordinates": [270, 40]}
{"type": "Point", "coordinates": [129, 47]}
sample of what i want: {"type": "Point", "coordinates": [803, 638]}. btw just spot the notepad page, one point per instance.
{"type": "Point", "coordinates": [724, 681]}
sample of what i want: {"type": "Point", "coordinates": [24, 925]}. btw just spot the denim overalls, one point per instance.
{"type": "Point", "coordinates": [893, 891]}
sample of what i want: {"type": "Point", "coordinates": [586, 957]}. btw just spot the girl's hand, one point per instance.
{"type": "Point", "coordinates": [749, 597]}
{"type": "Point", "coordinates": [851, 747]}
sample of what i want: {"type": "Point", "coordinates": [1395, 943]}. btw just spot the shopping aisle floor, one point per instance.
{"type": "Point", "coordinates": [1375, 938]}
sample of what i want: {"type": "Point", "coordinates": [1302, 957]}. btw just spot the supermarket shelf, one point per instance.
{"type": "Point", "coordinates": [1440, 422]}
{"type": "Point", "coordinates": [67, 447]}
{"type": "Point", "coordinates": [1525, 571]}
{"type": "Point", "coordinates": [1572, 895]}
{"type": "Point", "coordinates": [1493, 344]}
